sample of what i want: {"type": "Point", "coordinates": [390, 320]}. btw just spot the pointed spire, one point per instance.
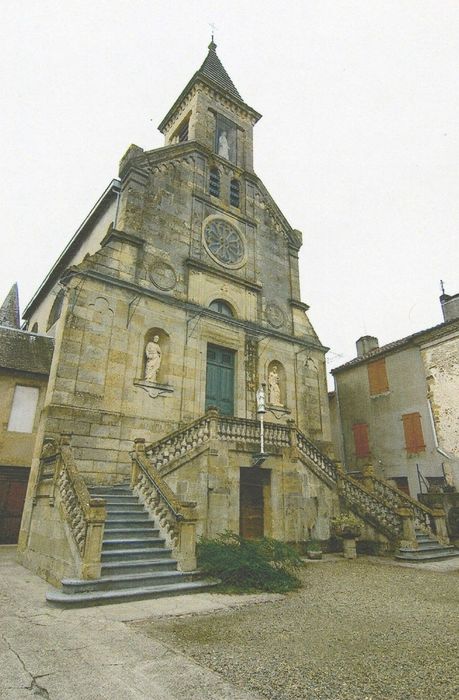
{"type": "Point", "coordinates": [9, 310]}
{"type": "Point", "coordinates": [212, 68]}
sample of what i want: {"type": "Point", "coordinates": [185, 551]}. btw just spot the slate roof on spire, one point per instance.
{"type": "Point", "coordinates": [9, 310]}
{"type": "Point", "coordinates": [213, 69]}
{"type": "Point", "coordinates": [214, 75]}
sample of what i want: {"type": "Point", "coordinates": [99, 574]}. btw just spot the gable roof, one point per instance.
{"type": "Point", "coordinates": [415, 339]}
{"type": "Point", "coordinates": [24, 351]}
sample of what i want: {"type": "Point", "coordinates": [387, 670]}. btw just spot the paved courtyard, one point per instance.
{"type": "Point", "coordinates": [358, 630]}
{"type": "Point", "coordinates": [361, 629]}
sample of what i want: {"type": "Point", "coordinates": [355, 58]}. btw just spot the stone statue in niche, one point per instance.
{"type": "Point", "coordinates": [274, 388]}
{"type": "Point", "coordinates": [153, 355]}
{"type": "Point", "coordinates": [223, 145]}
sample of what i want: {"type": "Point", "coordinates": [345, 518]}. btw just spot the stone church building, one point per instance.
{"type": "Point", "coordinates": [175, 302]}
{"type": "Point", "coordinates": [180, 292]}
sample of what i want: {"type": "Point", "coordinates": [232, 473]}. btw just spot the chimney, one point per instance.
{"type": "Point", "coordinates": [450, 306]}
{"type": "Point", "coordinates": [365, 344]}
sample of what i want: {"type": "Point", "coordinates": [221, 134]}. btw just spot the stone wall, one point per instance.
{"type": "Point", "coordinates": [441, 361]}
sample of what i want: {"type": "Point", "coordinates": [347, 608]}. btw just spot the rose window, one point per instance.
{"type": "Point", "coordinates": [224, 242]}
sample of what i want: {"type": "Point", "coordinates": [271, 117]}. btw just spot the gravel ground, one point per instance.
{"type": "Point", "coordinates": [358, 630]}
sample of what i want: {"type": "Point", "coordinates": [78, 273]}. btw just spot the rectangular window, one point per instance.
{"type": "Point", "coordinates": [414, 439]}
{"type": "Point", "coordinates": [361, 442]}
{"type": "Point", "coordinates": [377, 377]}
{"type": "Point", "coordinates": [22, 414]}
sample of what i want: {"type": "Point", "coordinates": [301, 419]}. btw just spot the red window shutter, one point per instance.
{"type": "Point", "coordinates": [377, 377]}
{"type": "Point", "coordinates": [361, 442]}
{"type": "Point", "coordinates": [414, 439]}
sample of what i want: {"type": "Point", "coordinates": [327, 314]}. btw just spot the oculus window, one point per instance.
{"type": "Point", "coordinates": [224, 243]}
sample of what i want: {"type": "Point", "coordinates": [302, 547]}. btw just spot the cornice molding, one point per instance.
{"type": "Point", "coordinates": [254, 329]}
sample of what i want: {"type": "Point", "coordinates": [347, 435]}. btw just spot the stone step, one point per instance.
{"type": "Point", "coordinates": [121, 488]}
{"type": "Point", "coordinates": [118, 582]}
{"type": "Point", "coordinates": [425, 539]}
{"type": "Point", "coordinates": [129, 533]}
{"type": "Point", "coordinates": [124, 512]}
{"type": "Point", "coordinates": [119, 500]}
{"type": "Point", "coordinates": [133, 554]}
{"type": "Point", "coordinates": [131, 543]}
{"type": "Point", "coordinates": [432, 555]}
{"type": "Point", "coordinates": [432, 544]}
{"type": "Point", "coordinates": [57, 597]}
{"type": "Point", "coordinates": [114, 523]}
{"type": "Point", "coordinates": [137, 566]}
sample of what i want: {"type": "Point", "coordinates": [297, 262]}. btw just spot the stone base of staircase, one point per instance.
{"type": "Point", "coordinates": [428, 549]}
{"type": "Point", "coordinates": [135, 562]}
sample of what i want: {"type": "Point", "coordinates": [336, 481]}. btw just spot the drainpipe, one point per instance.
{"type": "Point", "coordinates": [340, 432]}
{"type": "Point", "coordinates": [434, 431]}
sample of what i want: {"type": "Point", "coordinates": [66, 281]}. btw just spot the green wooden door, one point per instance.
{"type": "Point", "coordinates": [220, 379]}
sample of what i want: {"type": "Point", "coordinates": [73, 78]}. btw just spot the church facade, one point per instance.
{"type": "Point", "coordinates": [187, 389]}
{"type": "Point", "coordinates": [180, 295]}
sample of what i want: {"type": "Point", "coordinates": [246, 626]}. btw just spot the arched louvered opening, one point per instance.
{"type": "Point", "coordinates": [214, 183]}
{"type": "Point", "coordinates": [234, 193]}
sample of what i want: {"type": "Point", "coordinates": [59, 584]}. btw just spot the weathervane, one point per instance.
{"type": "Point", "coordinates": [213, 28]}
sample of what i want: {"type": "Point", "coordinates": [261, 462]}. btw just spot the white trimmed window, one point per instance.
{"type": "Point", "coordinates": [23, 410]}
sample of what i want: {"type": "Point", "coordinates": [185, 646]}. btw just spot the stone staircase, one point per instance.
{"type": "Point", "coordinates": [135, 562]}
{"type": "Point", "coordinates": [428, 549]}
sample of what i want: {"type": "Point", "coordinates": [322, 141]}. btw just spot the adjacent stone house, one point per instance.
{"type": "Point", "coordinates": [396, 407]}
{"type": "Point", "coordinates": [25, 360]}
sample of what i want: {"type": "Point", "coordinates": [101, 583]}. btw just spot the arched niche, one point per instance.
{"type": "Point", "coordinates": [156, 356]}
{"type": "Point", "coordinates": [35, 327]}
{"type": "Point", "coordinates": [276, 384]}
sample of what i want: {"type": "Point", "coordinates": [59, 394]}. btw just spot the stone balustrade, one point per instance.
{"type": "Point", "coordinates": [424, 518]}
{"type": "Point", "coordinates": [370, 508]}
{"type": "Point", "coordinates": [178, 443]}
{"type": "Point", "coordinates": [85, 515]}
{"type": "Point", "coordinates": [382, 505]}
{"type": "Point", "coordinates": [176, 519]}
{"type": "Point", "coordinates": [308, 448]}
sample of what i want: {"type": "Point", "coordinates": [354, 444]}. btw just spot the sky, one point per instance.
{"type": "Point", "coordinates": [358, 143]}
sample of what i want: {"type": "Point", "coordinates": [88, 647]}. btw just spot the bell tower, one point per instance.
{"type": "Point", "coordinates": [211, 111]}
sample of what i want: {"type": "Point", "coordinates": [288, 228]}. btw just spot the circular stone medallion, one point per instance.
{"type": "Point", "coordinates": [163, 276]}
{"type": "Point", "coordinates": [224, 243]}
{"type": "Point", "coordinates": [275, 315]}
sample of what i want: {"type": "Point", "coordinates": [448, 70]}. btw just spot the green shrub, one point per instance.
{"type": "Point", "coordinates": [264, 564]}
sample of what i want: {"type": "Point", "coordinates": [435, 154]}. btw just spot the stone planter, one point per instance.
{"type": "Point", "coordinates": [313, 554]}
{"type": "Point", "coordinates": [348, 533]}
{"type": "Point", "coordinates": [349, 548]}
